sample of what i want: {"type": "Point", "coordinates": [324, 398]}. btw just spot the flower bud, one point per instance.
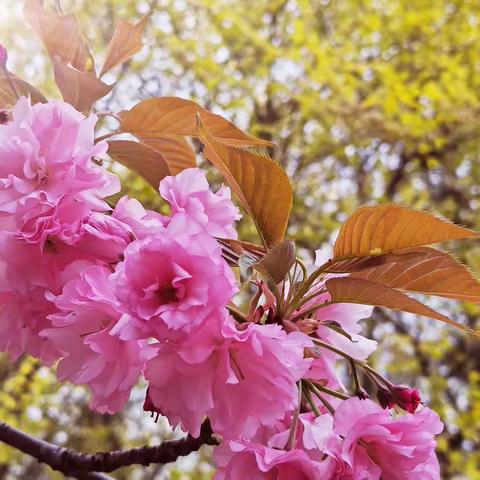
{"type": "Point", "coordinates": [385, 398]}
{"type": "Point", "coordinates": [406, 397]}
{"type": "Point", "coordinates": [401, 395]}
{"type": "Point", "coordinates": [4, 117]}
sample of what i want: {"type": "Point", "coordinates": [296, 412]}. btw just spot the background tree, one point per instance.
{"type": "Point", "coordinates": [367, 101]}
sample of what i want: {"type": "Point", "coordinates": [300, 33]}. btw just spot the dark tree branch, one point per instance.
{"type": "Point", "coordinates": [86, 466]}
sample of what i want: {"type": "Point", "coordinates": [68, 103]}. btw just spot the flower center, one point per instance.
{"type": "Point", "coordinates": [42, 176]}
{"type": "Point", "coordinates": [167, 294]}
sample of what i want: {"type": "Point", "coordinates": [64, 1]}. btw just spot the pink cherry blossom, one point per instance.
{"type": "Point", "coordinates": [39, 255]}
{"type": "Point", "coordinates": [240, 460]}
{"type": "Point", "coordinates": [26, 266]}
{"type": "Point", "coordinates": [181, 378]}
{"type": "Point", "coordinates": [93, 354]}
{"type": "Point", "coordinates": [256, 382]}
{"type": "Point", "coordinates": [100, 238]}
{"type": "Point", "coordinates": [142, 222]}
{"type": "Point", "coordinates": [175, 279]}
{"type": "Point", "coordinates": [22, 318]}
{"type": "Point", "coordinates": [241, 378]}
{"type": "Point", "coordinates": [377, 444]}
{"type": "Point", "coordinates": [47, 152]}
{"type": "Point", "coordinates": [41, 221]}
{"type": "Point", "coordinates": [188, 192]}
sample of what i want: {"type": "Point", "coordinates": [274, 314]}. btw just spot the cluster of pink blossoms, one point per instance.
{"type": "Point", "coordinates": [116, 294]}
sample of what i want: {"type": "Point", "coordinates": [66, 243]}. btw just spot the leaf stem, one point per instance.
{"type": "Point", "coordinates": [322, 344]}
{"type": "Point", "coordinates": [320, 388]}
{"type": "Point", "coordinates": [311, 387]}
{"type": "Point", "coordinates": [237, 313]}
{"type": "Point", "coordinates": [293, 427]}
{"type": "Point", "coordinates": [308, 396]}
{"type": "Point", "coordinates": [107, 135]}
{"type": "Point", "coordinates": [108, 114]}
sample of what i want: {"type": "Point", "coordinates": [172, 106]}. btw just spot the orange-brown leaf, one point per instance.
{"type": "Point", "coordinates": [80, 89]}
{"type": "Point", "coordinates": [8, 96]}
{"type": "Point", "coordinates": [365, 292]}
{"type": "Point", "coordinates": [387, 228]}
{"type": "Point", "coordinates": [177, 152]}
{"type": "Point", "coordinates": [163, 116]}
{"type": "Point", "coordinates": [278, 261]}
{"type": "Point", "coordinates": [357, 264]}
{"type": "Point", "coordinates": [60, 34]}
{"type": "Point", "coordinates": [426, 270]}
{"type": "Point", "coordinates": [146, 161]}
{"type": "Point", "coordinates": [125, 43]}
{"type": "Point", "coordinates": [259, 182]}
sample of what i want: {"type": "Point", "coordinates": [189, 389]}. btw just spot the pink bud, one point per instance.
{"type": "Point", "coordinates": [4, 117]}
{"type": "Point", "coordinates": [406, 397]}
{"type": "Point", "coordinates": [385, 398]}
{"type": "Point", "coordinates": [401, 395]}
{"type": "Point", "coordinates": [3, 56]}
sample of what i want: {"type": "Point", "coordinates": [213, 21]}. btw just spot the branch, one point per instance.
{"type": "Point", "coordinates": [85, 466]}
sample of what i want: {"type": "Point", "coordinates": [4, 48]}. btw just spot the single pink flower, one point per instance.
{"type": "Point", "coordinates": [22, 318]}
{"type": "Point", "coordinates": [93, 354]}
{"type": "Point", "coordinates": [377, 444]}
{"type": "Point", "coordinates": [256, 378]}
{"type": "Point", "coordinates": [241, 379]}
{"type": "Point", "coordinates": [52, 241]}
{"type": "Point", "coordinates": [188, 192]}
{"type": "Point", "coordinates": [181, 377]}
{"type": "Point", "coordinates": [174, 280]}
{"type": "Point", "coordinates": [26, 266]}
{"type": "Point", "coordinates": [37, 221]}
{"type": "Point", "coordinates": [47, 152]}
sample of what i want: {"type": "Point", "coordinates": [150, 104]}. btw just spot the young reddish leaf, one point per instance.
{"type": "Point", "coordinates": [278, 261]}
{"type": "Point", "coordinates": [80, 89]}
{"type": "Point", "coordinates": [146, 161]}
{"type": "Point", "coordinates": [386, 228]}
{"type": "Point", "coordinates": [163, 116]}
{"type": "Point", "coordinates": [259, 182]}
{"type": "Point", "coordinates": [177, 151]}
{"type": "Point", "coordinates": [60, 34]}
{"type": "Point", "coordinates": [426, 270]}
{"type": "Point", "coordinates": [8, 96]}
{"type": "Point", "coordinates": [125, 43]}
{"type": "Point", "coordinates": [365, 292]}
